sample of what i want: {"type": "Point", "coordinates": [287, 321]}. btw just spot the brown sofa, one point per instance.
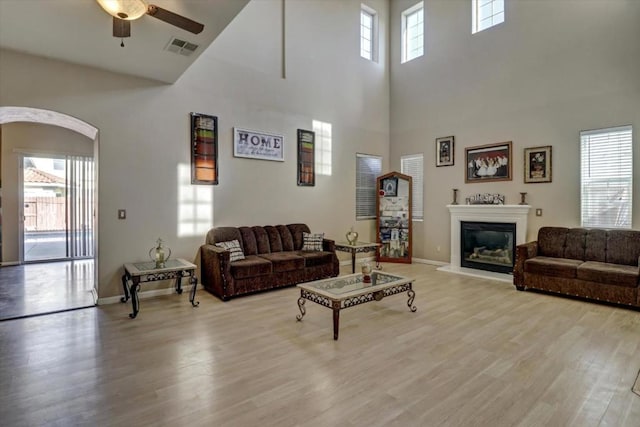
{"type": "Point", "coordinates": [273, 258]}
{"type": "Point", "coordinates": [590, 263]}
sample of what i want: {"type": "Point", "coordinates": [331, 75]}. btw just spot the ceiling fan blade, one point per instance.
{"type": "Point", "coordinates": [121, 28]}
{"type": "Point", "coordinates": [175, 19]}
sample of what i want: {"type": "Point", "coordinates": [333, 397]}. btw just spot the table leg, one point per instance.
{"type": "Point", "coordinates": [194, 286]}
{"type": "Point", "coordinates": [353, 261]}
{"type": "Point", "coordinates": [179, 285]}
{"type": "Point", "coordinates": [411, 293]}
{"type": "Point", "coordinates": [125, 298]}
{"type": "Point", "coordinates": [301, 307]}
{"type": "Point", "coordinates": [135, 302]}
{"type": "Point", "coordinates": [336, 319]}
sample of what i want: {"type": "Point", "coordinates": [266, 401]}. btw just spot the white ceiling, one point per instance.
{"type": "Point", "coordinates": [79, 31]}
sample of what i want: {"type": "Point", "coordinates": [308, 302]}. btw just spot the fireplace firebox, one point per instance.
{"type": "Point", "coordinates": [488, 246]}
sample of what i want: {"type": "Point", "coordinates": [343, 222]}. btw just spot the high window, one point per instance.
{"type": "Point", "coordinates": [412, 165]}
{"type": "Point", "coordinates": [413, 32]}
{"type": "Point", "coordinates": [486, 14]}
{"type": "Point", "coordinates": [323, 147]}
{"type": "Point", "coordinates": [368, 33]}
{"type": "Point", "coordinates": [368, 168]}
{"type": "Point", "coordinates": [606, 177]}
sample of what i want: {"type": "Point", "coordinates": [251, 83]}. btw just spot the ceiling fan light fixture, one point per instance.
{"type": "Point", "coordinates": [124, 9]}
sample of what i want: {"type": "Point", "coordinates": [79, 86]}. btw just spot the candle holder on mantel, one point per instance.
{"type": "Point", "coordinates": [455, 196]}
{"type": "Point", "coordinates": [522, 198]}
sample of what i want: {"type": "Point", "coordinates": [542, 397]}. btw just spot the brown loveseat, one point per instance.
{"type": "Point", "coordinates": [273, 258]}
{"type": "Point", "coordinates": [590, 263]}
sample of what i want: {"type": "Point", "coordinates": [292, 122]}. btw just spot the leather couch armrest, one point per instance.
{"type": "Point", "coordinates": [328, 245]}
{"type": "Point", "coordinates": [523, 253]}
{"type": "Point", "coordinates": [216, 271]}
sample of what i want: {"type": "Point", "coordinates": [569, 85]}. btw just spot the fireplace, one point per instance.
{"type": "Point", "coordinates": [487, 245]}
{"type": "Point", "coordinates": [510, 214]}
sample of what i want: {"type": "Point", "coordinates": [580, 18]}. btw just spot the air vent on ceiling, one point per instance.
{"type": "Point", "coordinates": [181, 47]}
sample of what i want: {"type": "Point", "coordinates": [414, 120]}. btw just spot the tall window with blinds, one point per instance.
{"type": "Point", "coordinates": [412, 165]}
{"type": "Point", "coordinates": [606, 177]}
{"type": "Point", "coordinates": [368, 168]}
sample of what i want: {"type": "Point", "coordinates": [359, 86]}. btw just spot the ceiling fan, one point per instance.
{"type": "Point", "coordinates": [125, 11]}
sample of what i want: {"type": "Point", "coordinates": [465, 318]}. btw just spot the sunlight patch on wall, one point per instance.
{"type": "Point", "coordinates": [195, 205]}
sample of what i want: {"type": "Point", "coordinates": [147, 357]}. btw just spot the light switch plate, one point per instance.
{"type": "Point", "coordinates": [538, 212]}
{"type": "Point", "coordinates": [122, 214]}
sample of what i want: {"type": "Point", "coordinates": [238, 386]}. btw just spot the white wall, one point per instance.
{"type": "Point", "coordinates": [552, 69]}
{"type": "Point", "coordinates": [144, 128]}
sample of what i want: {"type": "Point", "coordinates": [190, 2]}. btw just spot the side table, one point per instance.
{"type": "Point", "coordinates": [141, 272]}
{"type": "Point", "coordinates": [361, 247]}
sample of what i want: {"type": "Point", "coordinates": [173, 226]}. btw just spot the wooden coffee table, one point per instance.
{"type": "Point", "coordinates": [343, 292]}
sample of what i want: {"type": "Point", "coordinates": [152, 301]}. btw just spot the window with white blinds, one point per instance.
{"type": "Point", "coordinates": [412, 165]}
{"type": "Point", "coordinates": [606, 177]}
{"type": "Point", "coordinates": [368, 168]}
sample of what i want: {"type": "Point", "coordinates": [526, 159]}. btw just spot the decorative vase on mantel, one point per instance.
{"type": "Point", "coordinates": [352, 237]}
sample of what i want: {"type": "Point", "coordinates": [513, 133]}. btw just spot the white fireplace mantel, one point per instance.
{"type": "Point", "coordinates": [513, 214]}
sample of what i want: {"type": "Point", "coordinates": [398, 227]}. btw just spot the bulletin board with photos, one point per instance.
{"type": "Point", "coordinates": [393, 223]}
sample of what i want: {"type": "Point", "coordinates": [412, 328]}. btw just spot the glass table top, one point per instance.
{"type": "Point", "coordinates": [343, 285]}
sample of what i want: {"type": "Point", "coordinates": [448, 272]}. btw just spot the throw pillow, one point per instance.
{"type": "Point", "coordinates": [232, 246]}
{"type": "Point", "coordinates": [312, 242]}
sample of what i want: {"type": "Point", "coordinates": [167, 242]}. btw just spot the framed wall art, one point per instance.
{"type": "Point", "coordinates": [204, 149]}
{"type": "Point", "coordinates": [389, 186]}
{"type": "Point", "coordinates": [537, 164]}
{"type": "Point", "coordinates": [306, 158]}
{"type": "Point", "coordinates": [257, 145]}
{"type": "Point", "coordinates": [490, 162]}
{"type": "Point", "coordinates": [445, 152]}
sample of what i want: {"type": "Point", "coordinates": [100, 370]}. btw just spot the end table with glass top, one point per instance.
{"type": "Point", "coordinates": [140, 272]}
{"type": "Point", "coordinates": [361, 247]}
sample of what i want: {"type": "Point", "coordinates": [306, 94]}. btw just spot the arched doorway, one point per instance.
{"type": "Point", "coordinates": [9, 114]}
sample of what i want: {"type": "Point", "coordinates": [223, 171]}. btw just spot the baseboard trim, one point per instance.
{"type": "Point", "coordinates": [147, 294]}
{"type": "Point", "coordinates": [9, 263]}
{"type": "Point", "coordinates": [428, 261]}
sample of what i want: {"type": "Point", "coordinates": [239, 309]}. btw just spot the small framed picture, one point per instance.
{"type": "Point", "coordinates": [445, 153]}
{"type": "Point", "coordinates": [490, 162]}
{"type": "Point", "coordinates": [390, 186]}
{"type": "Point", "coordinates": [537, 164]}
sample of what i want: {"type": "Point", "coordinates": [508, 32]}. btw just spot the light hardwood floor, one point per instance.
{"type": "Point", "coordinates": [476, 353]}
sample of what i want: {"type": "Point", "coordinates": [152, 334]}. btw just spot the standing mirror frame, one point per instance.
{"type": "Point", "coordinates": [393, 222]}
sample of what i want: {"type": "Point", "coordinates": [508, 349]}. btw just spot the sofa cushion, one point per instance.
{"type": "Point", "coordinates": [296, 232]}
{"type": "Point", "coordinates": [315, 258]}
{"type": "Point", "coordinates": [262, 240]}
{"type": "Point", "coordinates": [284, 261]}
{"type": "Point", "coordinates": [249, 244]}
{"type": "Point", "coordinates": [551, 241]}
{"type": "Point", "coordinates": [285, 237]}
{"type": "Point", "coordinates": [312, 242]}
{"type": "Point", "coordinates": [623, 247]}
{"type": "Point", "coordinates": [232, 246]}
{"type": "Point", "coordinates": [251, 266]}
{"type": "Point", "coordinates": [223, 234]}
{"type": "Point", "coordinates": [575, 243]}
{"type": "Point", "coordinates": [596, 245]}
{"type": "Point", "coordinates": [609, 274]}
{"type": "Point", "coordinates": [275, 243]}
{"type": "Point", "coordinates": [549, 266]}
